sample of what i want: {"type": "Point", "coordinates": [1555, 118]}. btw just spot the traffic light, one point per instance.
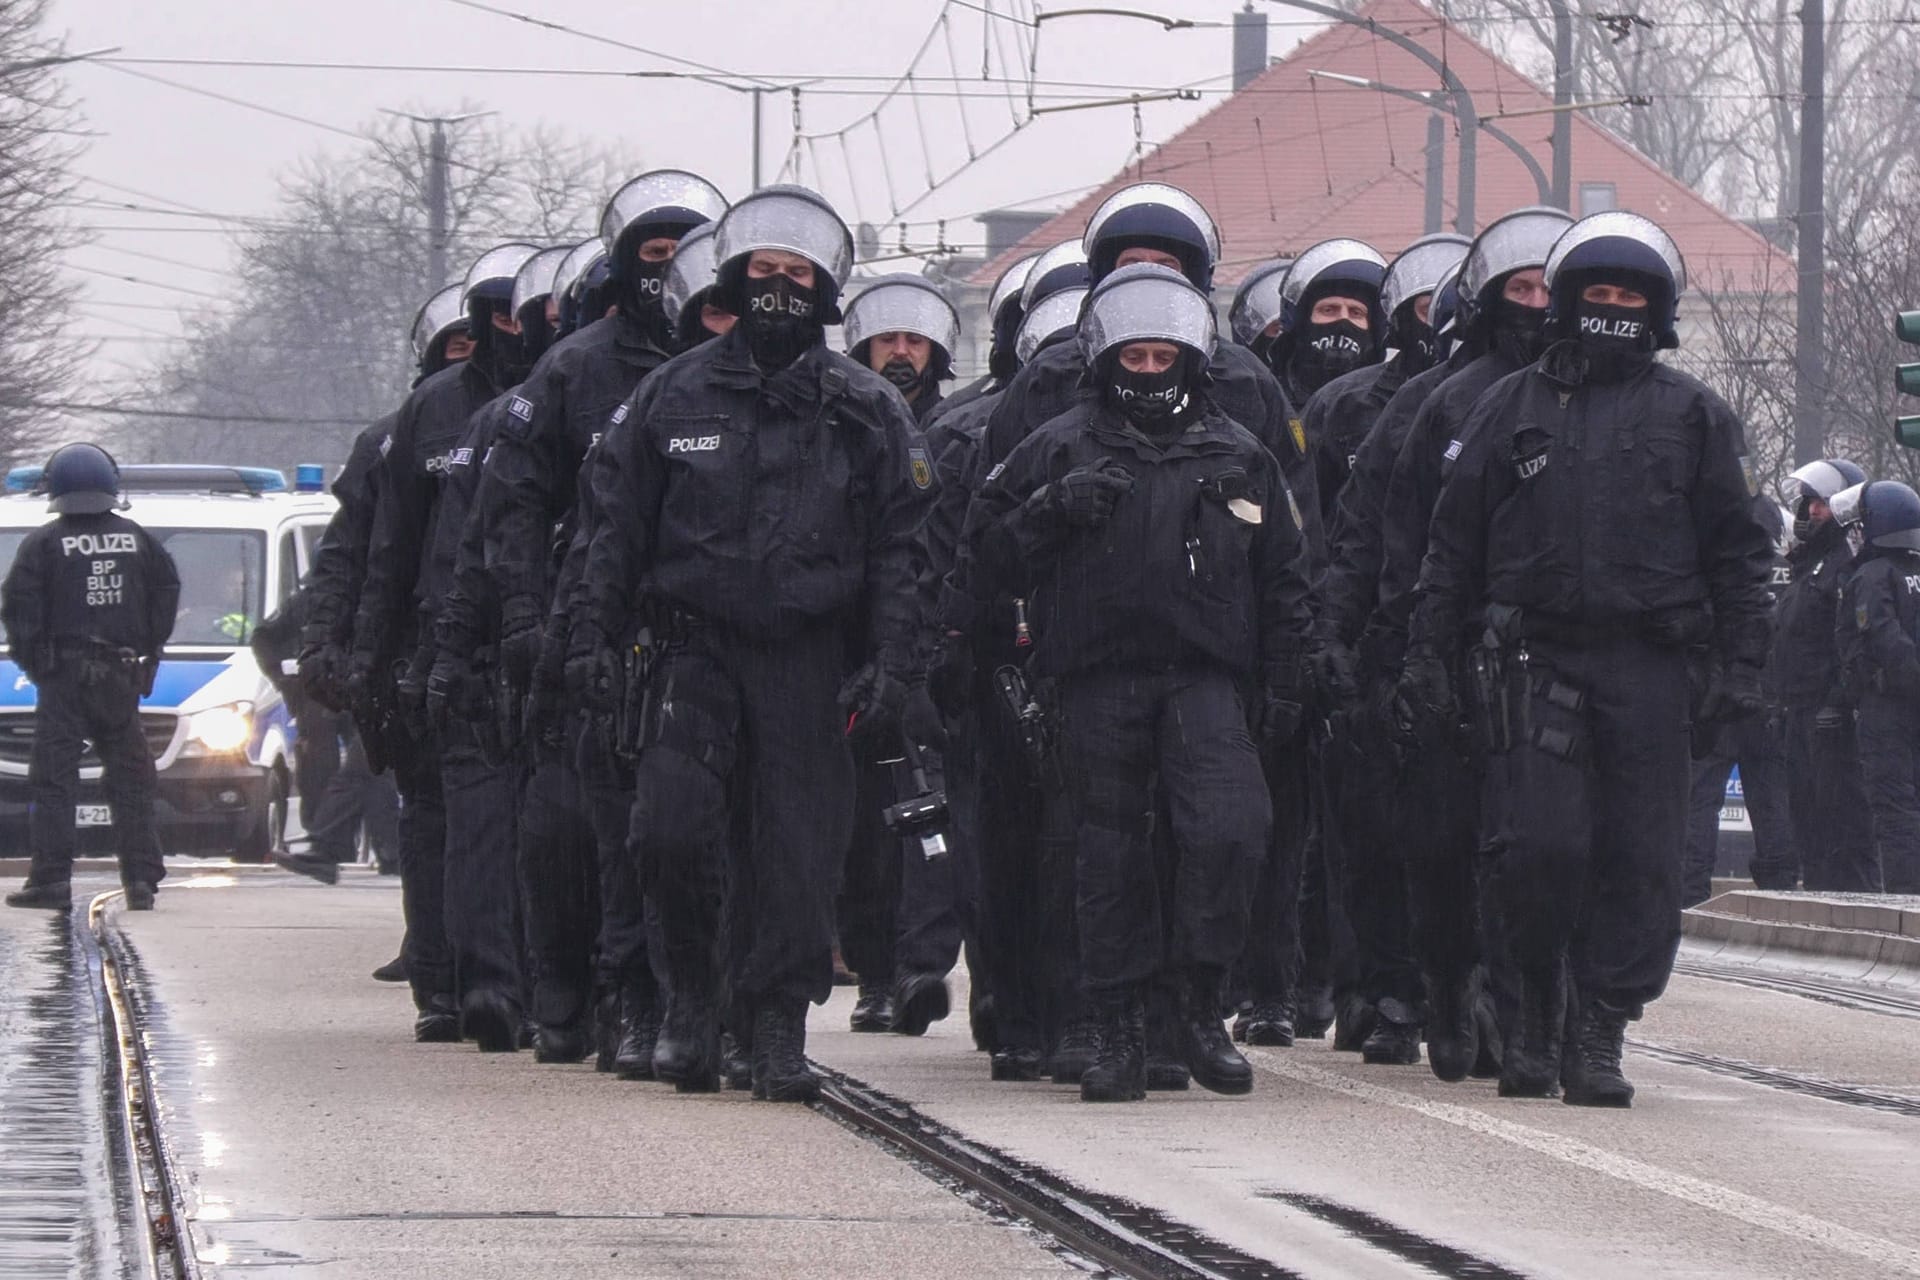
{"type": "Point", "coordinates": [1906, 427]}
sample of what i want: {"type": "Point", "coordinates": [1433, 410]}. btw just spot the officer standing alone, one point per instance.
{"type": "Point", "coordinates": [88, 604]}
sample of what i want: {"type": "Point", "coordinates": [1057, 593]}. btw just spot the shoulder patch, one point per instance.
{"type": "Point", "coordinates": [922, 470]}
{"type": "Point", "coordinates": [1453, 451]}
{"type": "Point", "coordinates": [386, 444]}
{"type": "Point", "coordinates": [1299, 430]}
{"type": "Point", "coordinates": [521, 408]}
{"type": "Point", "coordinates": [620, 414]}
{"type": "Point", "coordinates": [1293, 509]}
{"type": "Point", "coordinates": [1860, 616]}
{"type": "Point", "coordinates": [994, 474]}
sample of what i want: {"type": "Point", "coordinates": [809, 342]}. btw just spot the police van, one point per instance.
{"type": "Point", "coordinates": [221, 736]}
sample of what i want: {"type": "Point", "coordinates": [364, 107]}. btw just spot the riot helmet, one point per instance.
{"type": "Point", "coordinates": [1890, 516]}
{"type": "Point", "coordinates": [1311, 353]}
{"type": "Point", "coordinates": [689, 285]}
{"type": "Point", "coordinates": [532, 291]}
{"type": "Point", "coordinates": [1845, 507]}
{"type": "Point", "coordinates": [1514, 242]}
{"type": "Point", "coordinates": [1153, 215]}
{"type": "Point", "coordinates": [909, 304]}
{"type": "Point", "coordinates": [662, 205]}
{"type": "Point", "coordinates": [488, 293]}
{"type": "Point", "coordinates": [566, 283]}
{"type": "Point", "coordinates": [1064, 266]}
{"type": "Point", "coordinates": [81, 480]}
{"type": "Point", "coordinates": [1004, 313]}
{"type": "Point", "coordinates": [1056, 314]}
{"type": "Point", "coordinates": [1256, 305]}
{"type": "Point", "coordinates": [780, 316]}
{"type": "Point", "coordinates": [441, 317]}
{"type": "Point", "coordinates": [1417, 273]}
{"type": "Point", "coordinates": [1616, 247]}
{"type": "Point", "coordinates": [1818, 480]}
{"type": "Point", "coordinates": [1137, 308]}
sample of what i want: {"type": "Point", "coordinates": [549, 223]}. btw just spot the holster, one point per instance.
{"type": "Point", "coordinates": [1026, 714]}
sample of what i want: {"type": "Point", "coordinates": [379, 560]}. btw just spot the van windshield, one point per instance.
{"type": "Point", "coordinates": [222, 581]}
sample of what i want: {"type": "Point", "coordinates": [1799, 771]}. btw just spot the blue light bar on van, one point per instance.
{"type": "Point", "coordinates": [310, 477]}
{"type": "Point", "coordinates": [24, 479]}
{"type": "Point", "coordinates": [171, 477]}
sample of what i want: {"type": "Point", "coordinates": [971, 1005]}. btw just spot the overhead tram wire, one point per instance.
{"type": "Point", "coordinates": [233, 101]}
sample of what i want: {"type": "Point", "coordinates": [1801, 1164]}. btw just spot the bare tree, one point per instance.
{"type": "Point", "coordinates": [314, 341]}
{"type": "Point", "coordinates": [38, 141]}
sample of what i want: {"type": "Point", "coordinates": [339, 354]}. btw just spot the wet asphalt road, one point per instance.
{"type": "Point", "coordinates": [1773, 1136]}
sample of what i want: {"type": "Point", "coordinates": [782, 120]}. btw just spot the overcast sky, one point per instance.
{"type": "Point", "coordinates": [178, 148]}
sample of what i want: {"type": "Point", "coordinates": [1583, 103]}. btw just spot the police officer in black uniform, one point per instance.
{"type": "Point", "coordinates": [531, 487]}
{"type": "Point", "coordinates": [754, 498]}
{"type": "Point", "coordinates": [1880, 652]}
{"type": "Point", "coordinates": [88, 604]}
{"type": "Point", "coordinates": [1595, 527]}
{"type": "Point", "coordinates": [1826, 791]}
{"type": "Point", "coordinates": [389, 649]}
{"type": "Point", "coordinates": [1167, 575]}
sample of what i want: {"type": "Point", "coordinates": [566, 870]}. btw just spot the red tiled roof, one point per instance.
{"type": "Point", "coordinates": [1291, 160]}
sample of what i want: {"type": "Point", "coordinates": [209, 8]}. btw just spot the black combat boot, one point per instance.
{"type": "Point", "coordinates": [1395, 1038]}
{"type": "Point", "coordinates": [873, 1011]}
{"type": "Point", "coordinates": [606, 1031]}
{"type": "Point", "coordinates": [1530, 1062]}
{"type": "Point", "coordinates": [1590, 1064]}
{"type": "Point", "coordinates": [736, 1062]}
{"type": "Point", "coordinates": [986, 1035]}
{"type": "Point", "coordinates": [1453, 1032]}
{"type": "Point", "coordinates": [919, 1001]}
{"type": "Point", "coordinates": [439, 1022]}
{"type": "Point", "coordinates": [687, 1054]}
{"type": "Point", "coordinates": [1166, 1068]}
{"type": "Point", "coordinates": [1017, 1063]}
{"type": "Point", "coordinates": [1486, 1021]}
{"type": "Point", "coordinates": [43, 897]}
{"type": "Point", "coordinates": [780, 1072]}
{"type": "Point", "coordinates": [1354, 1022]}
{"type": "Point", "coordinates": [1267, 1022]}
{"type": "Point", "coordinates": [394, 970]}
{"type": "Point", "coordinates": [310, 865]}
{"type": "Point", "coordinates": [1118, 1072]}
{"type": "Point", "coordinates": [1313, 1012]}
{"type": "Point", "coordinates": [639, 1032]}
{"type": "Point", "coordinates": [563, 1043]}
{"type": "Point", "coordinates": [491, 1020]}
{"type": "Point", "coordinates": [1073, 1053]}
{"type": "Point", "coordinates": [1216, 1065]}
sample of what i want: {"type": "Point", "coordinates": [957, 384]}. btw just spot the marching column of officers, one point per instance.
{"type": "Point", "coordinates": [1345, 672]}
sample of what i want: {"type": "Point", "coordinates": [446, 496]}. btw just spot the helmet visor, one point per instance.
{"type": "Point", "coordinates": [1513, 243]}
{"type": "Point", "coordinates": [1419, 269]}
{"type": "Point", "coordinates": [793, 223]}
{"type": "Point", "coordinates": [1621, 225]}
{"type": "Point", "coordinates": [493, 272]}
{"type": "Point", "coordinates": [665, 195]}
{"type": "Point", "coordinates": [695, 266]}
{"type": "Point", "coordinates": [901, 307]}
{"type": "Point", "coordinates": [1257, 304]}
{"type": "Point", "coordinates": [1011, 284]}
{"type": "Point", "coordinates": [535, 280]}
{"type": "Point", "coordinates": [1147, 308]}
{"type": "Point", "coordinates": [441, 312]}
{"type": "Point", "coordinates": [1327, 259]}
{"type": "Point", "coordinates": [1067, 253]}
{"type": "Point", "coordinates": [1051, 315]}
{"type": "Point", "coordinates": [1143, 194]}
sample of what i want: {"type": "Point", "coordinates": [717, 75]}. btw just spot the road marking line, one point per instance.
{"type": "Point", "coordinates": [1707, 1195]}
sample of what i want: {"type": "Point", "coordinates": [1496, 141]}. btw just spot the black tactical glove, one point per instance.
{"type": "Point", "coordinates": [446, 684]}
{"type": "Point", "coordinates": [592, 670]}
{"type": "Point", "coordinates": [149, 672]}
{"type": "Point", "coordinates": [323, 670]}
{"type": "Point", "coordinates": [922, 719]}
{"type": "Point", "coordinates": [1336, 675]}
{"type": "Point", "coordinates": [872, 699]}
{"type": "Point", "coordinates": [410, 696]}
{"type": "Point", "coordinates": [363, 689]}
{"type": "Point", "coordinates": [1086, 496]}
{"type": "Point", "coordinates": [520, 638]}
{"type": "Point", "coordinates": [1423, 700]}
{"type": "Point", "coordinates": [1733, 693]}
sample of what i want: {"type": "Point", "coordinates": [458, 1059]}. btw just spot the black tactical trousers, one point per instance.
{"type": "Point", "coordinates": [484, 930]}
{"type": "Point", "coordinates": [746, 761]}
{"type": "Point", "coordinates": [423, 873]}
{"type": "Point", "coordinates": [1586, 815]}
{"type": "Point", "coordinates": [1122, 730]}
{"type": "Point", "coordinates": [1890, 752]}
{"type": "Point", "coordinates": [1006, 822]}
{"type": "Point", "coordinates": [316, 763]}
{"type": "Point", "coordinates": [1758, 746]}
{"type": "Point", "coordinates": [1362, 826]}
{"type": "Point", "coordinates": [559, 889]}
{"type": "Point", "coordinates": [1827, 803]}
{"type": "Point", "coordinates": [1270, 966]}
{"type": "Point", "coordinates": [91, 700]}
{"type": "Point", "coordinates": [628, 929]}
{"type": "Point", "coordinates": [870, 884]}
{"type": "Point", "coordinates": [355, 796]}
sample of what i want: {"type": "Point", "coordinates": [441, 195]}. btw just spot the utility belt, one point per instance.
{"type": "Point", "coordinates": [665, 629]}
{"type": "Point", "coordinates": [1519, 703]}
{"type": "Point", "coordinates": [1679, 627]}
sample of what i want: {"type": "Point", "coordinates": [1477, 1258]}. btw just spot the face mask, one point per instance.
{"type": "Point", "coordinates": [901, 373]}
{"type": "Point", "coordinates": [640, 298]}
{"type": "Point", "coordinates": [1325, 351]}
{"type": "Point", "coordinates": [779, 320]}
{"type": "Point", "coordinates": [1519, 333]}
{"type": "Point", "coordinates": [1149, 400]}
{"type": "Point", "coordinates": [1415, 343]}
{"type": "Point", "coordinates": [1610, 328]}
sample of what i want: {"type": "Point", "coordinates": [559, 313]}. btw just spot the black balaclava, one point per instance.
{"type": "Point", "coordinates": [640, 287]}
{"type": "Point", "coordinates": [1157, 404]}
{"type": "Point", "coordinates": [691, 330]}
{"type": "Point", "coordinates": [1617, 341]}
{"type": "Point", "coordinates": [1413, 339]}
{"type": "Point", "coordinates": [780, 319]}
{"type": "Point", "coordinates": [1002, 362]}
{"type": "Point", "coordinates": [502, 356]}
{"type": "Point", "coordinates": [536, 333]}
{"type": "Point", "coordinates": [1517, 332]}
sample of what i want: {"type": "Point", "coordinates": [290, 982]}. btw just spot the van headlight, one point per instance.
{"type": "Point", "coordinates": [220, 730]}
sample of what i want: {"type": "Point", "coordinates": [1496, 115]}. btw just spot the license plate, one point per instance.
{"type": "Point", "coordinates": [93, 815]}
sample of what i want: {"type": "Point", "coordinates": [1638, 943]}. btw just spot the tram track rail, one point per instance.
{"type": "Point", "coordinates": [1806, 986]}
{"type": "Point", "coordinates": [166, 1247]}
